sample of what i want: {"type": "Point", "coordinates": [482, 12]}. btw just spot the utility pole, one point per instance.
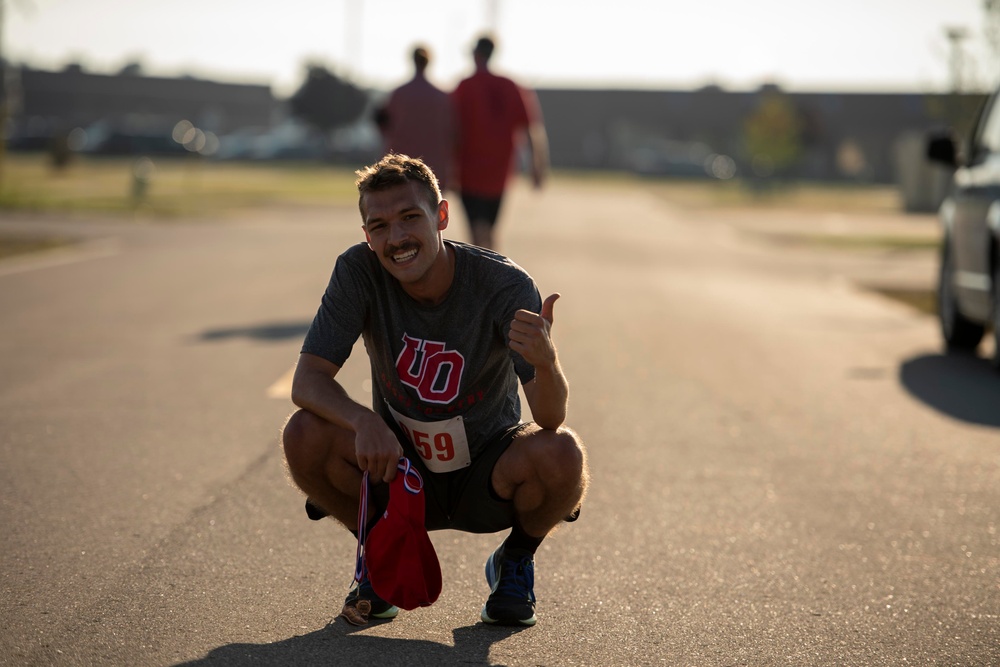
{"type": "Point", "coordinates": [11, 95]}
{"type": "Point", "coordinates": [4, 102]}
{"type": "Point", "coordinates": [353, 39]}
{"type": "Point", "coordinates": [492, 15]}
{"type": "Point", "coordinates": [956, 35]}
{"type": "Point", "coordinates": [958, 111]}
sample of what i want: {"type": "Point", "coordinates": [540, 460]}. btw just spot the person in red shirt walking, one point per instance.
{"type": "Point", "coordinates": [494, 115]}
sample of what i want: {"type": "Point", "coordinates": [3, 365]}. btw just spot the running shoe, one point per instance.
{"type": "Point", "coordinates": [511, 578]}
{"type": "Point", "coordinates": [362, 603]}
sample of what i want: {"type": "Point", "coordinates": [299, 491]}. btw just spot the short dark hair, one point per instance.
{"type": "Point", "coordinates": [396, 169]}
{"type": "Point", "coordinates": [421, 58]}
{"type": "Point", "coordinates": [485, 46]}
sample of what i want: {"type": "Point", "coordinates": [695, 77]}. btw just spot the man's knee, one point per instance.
{"type": "Point", "coordinates": [559, 457]}
{"type": "Point", "coordinates": [294, 431]}
{"type": "Point", "coordinates": [300, 437]}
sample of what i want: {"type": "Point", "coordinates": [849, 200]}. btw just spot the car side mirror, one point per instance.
{"type": "Point", "coordinates": [941, 148]}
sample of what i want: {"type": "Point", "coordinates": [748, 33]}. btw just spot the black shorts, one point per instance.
{"type": "Point", "coordinates": [465, 499]}
{"type": "Point", "coordinates": [481, 209]}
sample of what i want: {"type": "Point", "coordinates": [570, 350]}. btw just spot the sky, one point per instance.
{"type": "Point", "coordinates": [800, 45]}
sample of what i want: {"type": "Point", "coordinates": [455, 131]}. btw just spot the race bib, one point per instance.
{"type": "Point", "coordinates": [443, 445]}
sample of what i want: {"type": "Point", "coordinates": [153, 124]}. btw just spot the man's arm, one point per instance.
{"type": "Point", "coordinates": [538, 144]}
{"type": "Point", "coordinates": [314, 388]}
{"type": "Point", "coordinates": [548, 392]}
{"type": "Point", "coordinates": [548, 396]}
{"type": "Point", "coordinates": [536, 138]}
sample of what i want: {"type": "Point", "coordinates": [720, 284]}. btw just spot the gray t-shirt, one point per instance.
{"type": "Point", "coordinates": [432, 362]}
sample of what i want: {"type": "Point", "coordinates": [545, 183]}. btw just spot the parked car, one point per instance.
{"type": "Point", "coordinates": [969, 279]}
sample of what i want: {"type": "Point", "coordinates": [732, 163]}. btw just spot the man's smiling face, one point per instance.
{"type": "Point", "coordinates": [403, 229]}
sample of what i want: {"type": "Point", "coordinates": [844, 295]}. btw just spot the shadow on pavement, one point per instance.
{"type": "Point", "coordinates": [341, 644]}
{"type": "Point", "coordinates": [274, 331]}
{"type": "Point", "coordinates": [962, 386]}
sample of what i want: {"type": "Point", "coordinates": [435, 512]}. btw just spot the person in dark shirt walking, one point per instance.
{"type": "Point", "coordinates": [417, 120]}
{"type": "Point", "coordinates": [450, 330]}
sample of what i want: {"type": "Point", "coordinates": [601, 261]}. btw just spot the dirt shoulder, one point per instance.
{"type": "Point", "coordinates": [856, 236]}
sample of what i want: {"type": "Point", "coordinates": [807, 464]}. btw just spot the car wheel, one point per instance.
{"type": "Point", "coordinates": [960, 333]}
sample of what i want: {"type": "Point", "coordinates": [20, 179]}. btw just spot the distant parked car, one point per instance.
{"type": "Point", "coordinates": [681, 159]}
{"type": "Point", "coordinates": [289, 140]}
{"type": "Point", "coordinates": [137, 143]}
{"type": "Point", "coordinates": [969, 282]}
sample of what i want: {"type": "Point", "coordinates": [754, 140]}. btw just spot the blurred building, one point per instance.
{"type": "Point", "coordinates": [47, 103]}
{"type": "Point", "coordinates": [707, 133]}
{"type": "Point", "coordinates": [857, 137]}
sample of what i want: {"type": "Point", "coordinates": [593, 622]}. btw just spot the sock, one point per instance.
{"type": "Point", "coordinates": [518, 540]}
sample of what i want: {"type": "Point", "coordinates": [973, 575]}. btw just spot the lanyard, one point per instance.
{"type": "Point", "coordinates": [412, 482]}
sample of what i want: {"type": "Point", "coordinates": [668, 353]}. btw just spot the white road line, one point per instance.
{"type": "Point", "coordinates": [282, 387]}
{"type": "Point", "coordinates": [59, 256]}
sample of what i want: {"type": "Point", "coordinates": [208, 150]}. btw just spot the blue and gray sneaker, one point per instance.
{"type": "Point", "coordinates": [512, 582]}
{"type": "Point", "coordinates": [362, 603]}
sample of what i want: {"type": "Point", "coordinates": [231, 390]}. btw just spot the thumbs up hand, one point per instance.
{"type": "Point", "coordinates": [530, 334]}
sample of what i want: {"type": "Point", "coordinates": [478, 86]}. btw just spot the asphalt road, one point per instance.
{"type": "Point", "coordinates": [786, 470]}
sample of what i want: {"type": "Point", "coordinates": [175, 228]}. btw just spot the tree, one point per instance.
{"type": "Point", "coordinates": [773, 135]}
{"type": "Point", "coordinates": [327, 102]}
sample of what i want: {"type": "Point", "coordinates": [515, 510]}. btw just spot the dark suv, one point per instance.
{"type": "Point", "coordinates": [969, 283]}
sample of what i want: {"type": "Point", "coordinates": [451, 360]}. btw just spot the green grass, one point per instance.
{"type": "Point", "coordinates": [10, 246]}
{"type": "Point", "coordinates": [833, 197]}
{"type": "Point", "coordinates": [188, 186]}
{"type": "Point", "coordinates": [702, 193]}
{"type": "Point", "coordinates": [858, 241]}
{"type": "Point", "coordinates": [176, 187]}
{"type": "Point", "coordinates": [924, 301]}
